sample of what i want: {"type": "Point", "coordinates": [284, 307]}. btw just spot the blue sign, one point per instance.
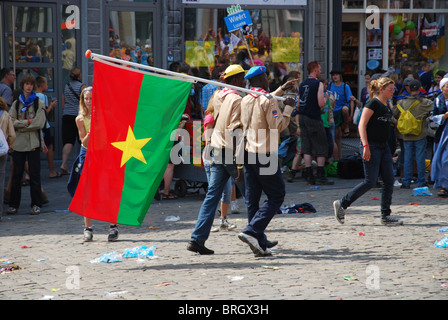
{"type": "Point", "coordinates": [373, 64]}
{"type": "Point", "coordinates": [238, 20]}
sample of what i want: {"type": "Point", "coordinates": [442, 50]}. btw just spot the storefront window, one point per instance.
{"type": "Point", "coordinates": [33, 50]}
{"type": "Point", "coordinates": [424, 4]}
{"type": "Point", "coordinates": [31, 19]}
{"type": "Point", "coordinates": [416, 39]}
{"type": "Point", "coordinates": [395, 4]}
{"type": "Point", "coordinates": [382, 4]}
{"type": "Point", "coordinates": [131, 36]}
{"type": "Point", "coordinates": [400, 4]}
{"type": "Point", "coordinates": [353, 4]}
{"type": "Point", "coordinates": [442, 4]}
{"type": "Point", "coordinates": [275, 40]}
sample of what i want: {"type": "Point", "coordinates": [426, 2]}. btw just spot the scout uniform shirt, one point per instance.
{"type": "Point", "coordinates": [28, 135]}
{"type": "Point", "coordinates": [228, 118]}
{"type": "Point", "coordinates": [267, 118]}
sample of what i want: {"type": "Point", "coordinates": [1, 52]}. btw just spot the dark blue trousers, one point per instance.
{"type": "Point", "coordinates": [256, 183]}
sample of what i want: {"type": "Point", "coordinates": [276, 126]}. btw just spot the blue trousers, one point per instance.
{"type": "Point", "coordinates": [219, 176]}
{"type": "Point", "coordinates": [419, 148]}
{"type": "Point", "coordinates": [274, 188]}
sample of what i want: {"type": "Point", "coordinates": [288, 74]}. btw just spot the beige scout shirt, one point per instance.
{"type": "Point", "coordinates": [8, 129]}
{"type": "Point", "coordinates": [267, 122]}
{"type": "Point", "coordinates": [28, 135]}
{"type": "Point", "coordinates": [228, 105]}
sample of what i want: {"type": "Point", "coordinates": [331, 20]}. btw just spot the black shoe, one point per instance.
{"type": "Point", "coordinates": [389, 220]}
{"type": "Point", "coordinates": [271, 244]}
{"type": "Point", "coordinates": [322, 179]}
{"type": "Point", "coordinates": [339, 212]}
{"type": "Point", "coordinates": [310, 176]}
{"type": "Point", "coordinates": [405, 187]}
{"type": "Point", "coordinates": [291, 175]}
{"type": "Point", "coordinates": [198, 248]}
{"type": "Point", "coordinates": [324, 182]}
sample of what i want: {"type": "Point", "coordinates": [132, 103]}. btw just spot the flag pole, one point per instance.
{"type": "Point", "coordinates": [95, 56]}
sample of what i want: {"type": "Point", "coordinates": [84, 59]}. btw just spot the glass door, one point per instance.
{"type": "Point", "coordinates": [38, 40]}
{"type": "Point", "coordinates": [350, 54]}
{"type": "Point", "coordinates": [133, 34]}
{"type": "Point", "coordinates": [30, 44]}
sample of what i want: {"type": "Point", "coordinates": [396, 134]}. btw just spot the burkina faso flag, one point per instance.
{"type": "Point", "coordinates": [133, 117]}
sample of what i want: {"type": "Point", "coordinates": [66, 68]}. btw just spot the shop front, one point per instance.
{"type": "Point", "coordinates": [256, 33]}
{"type": "Point", "coordinates": [402, 37]}
{"type": "Point", "coordinates": [49, 38]}
{"type": "Point", "coordinates": [42, 39]}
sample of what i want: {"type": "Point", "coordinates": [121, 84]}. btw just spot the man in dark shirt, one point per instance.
{"type": "Point", "coordinates": [312, 131]}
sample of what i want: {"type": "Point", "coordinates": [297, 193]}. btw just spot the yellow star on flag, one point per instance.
{"type": "Point", "coordinates": [132, 148]}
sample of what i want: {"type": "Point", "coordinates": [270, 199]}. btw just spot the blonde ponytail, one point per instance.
{"type": "Point", "coordinates": [376, 85]}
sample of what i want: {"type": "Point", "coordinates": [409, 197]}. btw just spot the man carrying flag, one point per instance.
{"type": "Point", "coordinates": [129, 144]}
{"type": "Point", "coordinates": [261, 114]}
{"type": "Point", "coordinates": [227, 119]}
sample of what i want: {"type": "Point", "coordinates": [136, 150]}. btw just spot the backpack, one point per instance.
{"type": "Point", "coordinates": [407, 123]}
{"type": "Point", "coordinates": [345, 88]}
{"type": "Point", "coordinates": [351, 167]}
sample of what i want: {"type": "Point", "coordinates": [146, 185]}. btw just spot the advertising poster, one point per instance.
{"type": "Point", "coordinates": [286, 49]}
{"type": "Point", "coordinates": [200, 53]}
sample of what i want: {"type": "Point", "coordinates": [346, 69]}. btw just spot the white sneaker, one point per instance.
{"type": "Point", "coordinates": [35, 210]}
{"type": "Point", "coordinates": [252, 242]}
{"type": "Point", "coordinates": [226, 225]}
{"type": "Point", "coordinates": [339, 212]}
{"type": "Point", "coordinates": [266, 253]}
{"type": "Point", "coordinates": [88, 234]}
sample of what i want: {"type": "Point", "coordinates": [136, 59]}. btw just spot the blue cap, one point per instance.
{"type": "Point", "coordinates": [255, 71]}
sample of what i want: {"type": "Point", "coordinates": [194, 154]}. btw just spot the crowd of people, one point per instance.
{"type": "Point", "coordinates": [394, 119]}
{"type": "Point", "coordinates": [403, 117]}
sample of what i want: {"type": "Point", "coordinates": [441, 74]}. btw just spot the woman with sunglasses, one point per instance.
{"type": "Point", "coordinates": [374, 130]}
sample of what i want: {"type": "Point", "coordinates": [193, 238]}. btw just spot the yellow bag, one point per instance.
{"type": "Point", "coordinates": [407, 123]}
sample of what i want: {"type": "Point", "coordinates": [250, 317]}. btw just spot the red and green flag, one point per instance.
{"type": "Point", "coordinates": [133, 117]}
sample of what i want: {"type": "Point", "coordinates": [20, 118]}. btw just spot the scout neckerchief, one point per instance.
{"type": "Point", "coordinates": [257, 90]}
{"type": "Point", "coordinates": [227, 91]}
{"type": "Point", "coordinates": [27, 102]}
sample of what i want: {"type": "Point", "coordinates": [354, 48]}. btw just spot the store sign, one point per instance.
{"type": "Point", "coordinates": [253, 2]}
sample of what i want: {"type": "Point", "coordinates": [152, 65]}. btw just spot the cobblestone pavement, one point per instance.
{"type": "Point", "coordinates": [316, 258]}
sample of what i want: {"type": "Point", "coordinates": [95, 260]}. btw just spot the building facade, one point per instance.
{"type": "Point", "coordinates": [399, 36]}
{"type": "Point", "coordinates": [50, 37]}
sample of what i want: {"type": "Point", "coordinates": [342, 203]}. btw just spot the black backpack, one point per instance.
{"type": "Point", "coordinates": [351, 167]}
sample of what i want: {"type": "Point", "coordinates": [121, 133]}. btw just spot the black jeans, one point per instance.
{"type": "Point", "coordinates": [19, 159]}
{"type": "Point", "coordinates": [380, 163]}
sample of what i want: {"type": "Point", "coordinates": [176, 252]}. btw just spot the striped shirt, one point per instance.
{"type": "Point", "coordinates": [71, 106]}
